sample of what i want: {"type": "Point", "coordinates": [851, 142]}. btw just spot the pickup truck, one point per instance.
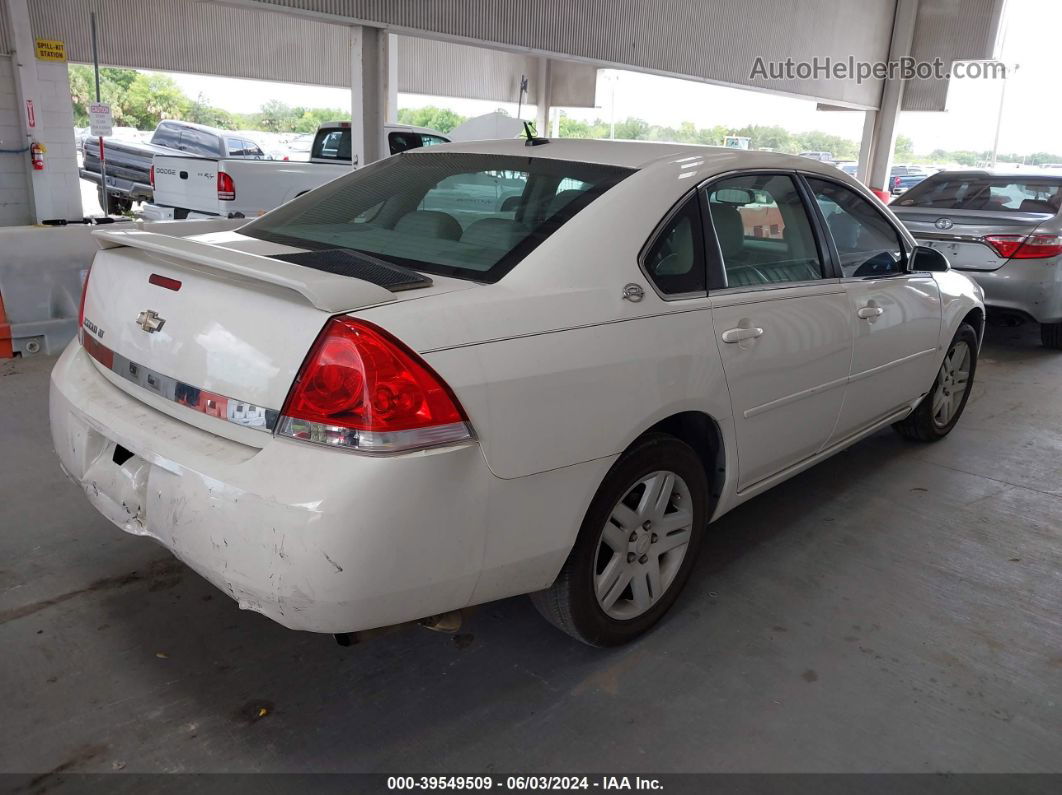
{"type": "Point", "coordinates": [129, 162]}
{"type": "Point", "coordinates": [197, 186]}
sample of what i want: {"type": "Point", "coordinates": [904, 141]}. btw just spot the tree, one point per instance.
{"type": "Point", "coordinates": [441, 119]}
{"type": "Point", "coordinates": [632, 129]}
{"type": "Point", "coordinates": [904, 147]}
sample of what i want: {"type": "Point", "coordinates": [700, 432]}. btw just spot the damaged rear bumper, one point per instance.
{"type": "Point", "coordinates": [315, 539]}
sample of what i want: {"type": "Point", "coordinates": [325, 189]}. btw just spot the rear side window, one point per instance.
{"type": "Point", "coordinates": [403, 141]}
{"type": "Point", "coordinates": [166, 135]}
{"type": "Point", "coordinates": [984, 192]}
{"type": "Point", "coordinates": [197, 142]}
{"type": "Point", "coordinates": [763, 231]}
{"type": "Point", "coordinates": [867, 244]}
{"type": "Point", "coordinates": [332, 145]}
{"type": "Point", "coordinates": [675, 259]}
{"type": "Point", "coordinates": [456, 214]}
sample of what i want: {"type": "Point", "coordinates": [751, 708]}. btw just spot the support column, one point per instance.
{"type": "Point", "coordinates": [866, 146]}
{"type": "Point", "coordinates": [883, 138]}
{"type": "Point", "coordinates": [542, 97]}
{"type": "Point", "coordinates": [390, 56]}
{"type": "Point", "coordinates": [44, 85]}
{"type": "Point", "coordinates": [369, 67]}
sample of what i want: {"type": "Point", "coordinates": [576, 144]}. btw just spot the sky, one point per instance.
{"type": "Point", "coordinates": [1029, 47]}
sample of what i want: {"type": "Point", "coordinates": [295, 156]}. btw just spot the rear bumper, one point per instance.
{"type": "Point", "coordinates": [316, 539]}
{"type": "Point", "coordinates": [1031, 287]}
{"type": "Point", "coordinates": [137, 191]}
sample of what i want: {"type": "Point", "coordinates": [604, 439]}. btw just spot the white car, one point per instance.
{"type": "Point", "coordinates": [496, 368]}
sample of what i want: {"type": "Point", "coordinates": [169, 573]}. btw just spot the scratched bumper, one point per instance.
{"type": "Point", "coordinates": [1030, 286]}
{"type": "Point", "coordinates": [315, 539]}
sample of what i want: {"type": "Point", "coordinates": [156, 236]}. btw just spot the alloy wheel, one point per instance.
{"type": "Point", "coordinates": [642, 545]}
{"type": "Point", "coordinates": [952, 383]}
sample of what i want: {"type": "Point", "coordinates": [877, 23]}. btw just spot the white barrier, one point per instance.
{"type": "Point", "coordinates": [42, 270]}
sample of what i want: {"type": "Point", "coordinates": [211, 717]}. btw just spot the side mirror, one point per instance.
{"type": "Point", "coordinates": [929, 259]}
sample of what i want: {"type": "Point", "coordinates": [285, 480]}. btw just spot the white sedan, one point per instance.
{"type": "Point", "coordinates": [488, 369]}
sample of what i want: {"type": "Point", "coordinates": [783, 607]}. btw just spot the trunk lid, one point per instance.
{"type": "Point", "coordinates": [228, 340]}
{"type": "Point", "coordinates": [189, 183]}
{"type": "Point", "coordinates": [957, 233]}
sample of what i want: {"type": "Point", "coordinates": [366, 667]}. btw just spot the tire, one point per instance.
{"type": "Point", "coordinates": [571, 604]}
{"type": "Point", "coordinates": [925, 424]}
{"type": "Point", "coordinates": [1051, 335]}
{"type": "Point", "coordinates": [119, 205]}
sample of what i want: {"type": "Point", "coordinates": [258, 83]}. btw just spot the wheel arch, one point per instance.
{"type": "Point", "coordinates": [975, 318]}
{"type": "Point", "coordinates": [700, 431]}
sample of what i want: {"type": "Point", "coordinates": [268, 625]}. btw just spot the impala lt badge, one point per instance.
{"type": "Point", "coordinates": [150, 321]}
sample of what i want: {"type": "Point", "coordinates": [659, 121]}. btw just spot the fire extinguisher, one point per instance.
{"type": "Point", "coordinates": [37, 156]}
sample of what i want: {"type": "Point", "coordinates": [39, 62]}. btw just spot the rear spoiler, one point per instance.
{"type": "Point", "coordinates": [327, 291]}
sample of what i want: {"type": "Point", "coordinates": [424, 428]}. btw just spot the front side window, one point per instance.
{"type": "Point", "coordinates": [675, 261]}
{"type": "Point", "coordinates": [763, 231]}
{"type": "Point", "coordinates": [867, 243]}
{"type": "Point", "coordinates": [432, 140]}
{"type": "Point", "coordinates": [455, 214]}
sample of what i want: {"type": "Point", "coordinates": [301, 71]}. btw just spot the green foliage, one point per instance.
{"type": "Point", "coordinates": [441, 119]}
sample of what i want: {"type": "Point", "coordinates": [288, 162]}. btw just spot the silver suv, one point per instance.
{"type": "Point", "coordinates": [1002, 230]}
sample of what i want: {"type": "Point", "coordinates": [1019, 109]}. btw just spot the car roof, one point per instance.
{"type": "Point", "coordinates": [639, 155]}
{"type": "Point", "coordinates": [1030, 173]}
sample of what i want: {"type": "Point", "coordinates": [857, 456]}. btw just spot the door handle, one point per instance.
{"type": "Point", "coordinates": [739, 334]}
{"type": "Point", "coordinates": [868, 312]}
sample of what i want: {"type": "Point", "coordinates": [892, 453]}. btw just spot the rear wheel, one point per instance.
{"type": "Point", "coordinates": [636, 546]}
{"type": "Point", "coordinates": [1051, 335]}
{"type": "Point", "coordinates": [938, 412]}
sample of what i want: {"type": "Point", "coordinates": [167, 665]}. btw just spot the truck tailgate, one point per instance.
{"type": "Point", "coordinates": [190, 183]}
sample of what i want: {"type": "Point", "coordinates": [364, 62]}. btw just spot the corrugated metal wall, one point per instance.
{"type": "Point", "coordinates": [182, 36]}
{"type": "Point", "coordinates": [6, 45]}
{"type": "Point", "coordinates": [714, 40]}
{"type": "Point", "coordinates": [256, 42]}
{"type": "Point", "coordinates": [426, 66]}
{"type": "Point", "coordinates": [953, 30]}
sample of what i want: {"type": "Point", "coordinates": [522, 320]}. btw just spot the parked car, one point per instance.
{"type": "Point", "coordinates": [355, 412]}
{"type": "Point", "coordinates": [851, 168]}
{"type": "Point", "coordinates": [822, 157]}
{"type": "Point", "coordinates": [129, 161]}
{"type": "Point", "coordinates": [900, 184]}
{"type": "Point", "coordinates": [1002, 230]}
{"type": "Point", "coordinates": [196, 186]}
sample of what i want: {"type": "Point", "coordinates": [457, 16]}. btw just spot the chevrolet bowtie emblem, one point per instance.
{"type": "Point", "coordinates": [150, 321]}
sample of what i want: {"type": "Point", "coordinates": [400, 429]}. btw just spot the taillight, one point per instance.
{"type": "Point", "coordinates": [895, 183]}
{"type": "Point", "coordinates": [361, 389]}
{"type": "Point", "coordinates": [151, 176]}
{"type": "Point", "coordinates": [1025, 246]}
{"type": "Point", "coordinates": [81, 305]}
{"type": "Point", "coordinates": [226, 187]}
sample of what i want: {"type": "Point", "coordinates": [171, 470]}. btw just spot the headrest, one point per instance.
{"type": "Point", "coordinates": [429, 223]}
{"type": "Point", "coordinates": [729, 229]}
{"type": "Point", "coordinates": [495, 233]}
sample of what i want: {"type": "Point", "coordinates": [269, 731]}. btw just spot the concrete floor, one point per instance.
{"type": "Point", "coordinates": [894, 609]}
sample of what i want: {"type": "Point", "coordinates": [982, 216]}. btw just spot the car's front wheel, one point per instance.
{"type": "Point", "coordinates": [636, 545]}
{"type": "Point", "coordinates": [938, 412]}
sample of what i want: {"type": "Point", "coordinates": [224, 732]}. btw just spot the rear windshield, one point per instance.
{"type": "Point", "coordinates": [980, 192]}
{"type": "Point", "coordinates": [332, 144]}
{"type": "Point", "coordinates": [448, 213]}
